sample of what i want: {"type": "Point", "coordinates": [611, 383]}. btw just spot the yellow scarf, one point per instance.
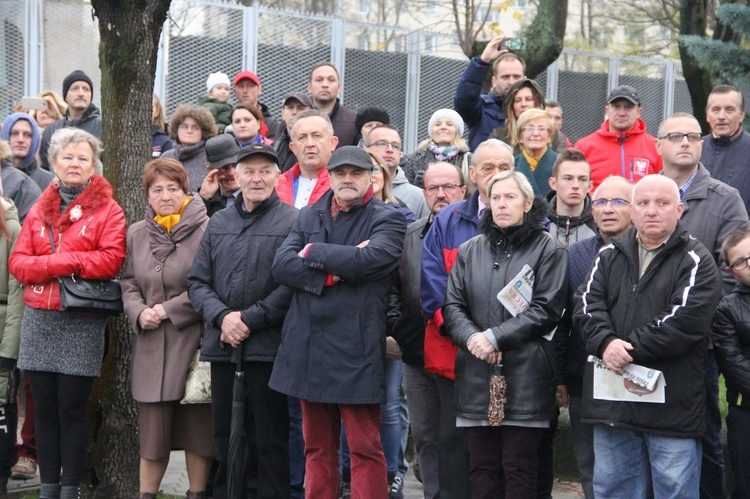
{"type": "Point", "coordinates": [169, 221]}
{"type": "Point", "coordinates": [533, 161]}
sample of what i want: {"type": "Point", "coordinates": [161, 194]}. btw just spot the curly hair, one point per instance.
{"type": "Point", "coordinates": [200, 114]}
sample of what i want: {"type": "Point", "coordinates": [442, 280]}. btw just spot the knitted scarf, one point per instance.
{"type": "Point", "coordinates": [443, 153]}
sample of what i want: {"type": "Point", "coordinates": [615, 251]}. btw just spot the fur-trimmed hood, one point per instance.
{"type": "Point", "coordinates": [513, 236]}
{"type": "Point", "coordinates": [94, 196]}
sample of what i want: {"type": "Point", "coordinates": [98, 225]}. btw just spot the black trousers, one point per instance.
{"type": "Point", "coordinates": [266, 428]}
{"type": "Point", "coordinates": [61, 429]}
{"type": "Point", "coordinates": [8, 426]}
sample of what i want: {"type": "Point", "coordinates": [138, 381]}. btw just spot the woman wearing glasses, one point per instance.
{"type": "Point", "coordinates": [445, 143]}
{"type": "Point", "coordinates": [190, 127]}
{"type": "Point", "coordinates": [534, 133]}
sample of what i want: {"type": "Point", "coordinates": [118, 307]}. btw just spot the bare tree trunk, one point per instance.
{"type": "Point", "coordinates": [129, 37]}
{"type": "Point", "coordinates": [693, 20]}
{"type": "Point", "coordinates": [545, 36]}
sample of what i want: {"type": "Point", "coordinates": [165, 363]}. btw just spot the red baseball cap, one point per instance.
{"type": "Point", "coordinates": [246, 75]}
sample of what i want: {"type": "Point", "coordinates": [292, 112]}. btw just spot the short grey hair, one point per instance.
{"type": "Point", "coordinates": [65, 137]}
{"type": "Point", "coordinates": [312, 113]}
{"type": "Point", "coordinates": [490, 143]}
{"type": "Point", "coordinates": [521, 181]}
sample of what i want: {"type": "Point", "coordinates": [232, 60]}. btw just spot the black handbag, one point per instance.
{"type": "Point", "coordinates": [89, 295]}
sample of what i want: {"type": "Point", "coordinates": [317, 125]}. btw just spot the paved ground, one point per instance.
{"type": "Point", "coordinates": [175, 482]}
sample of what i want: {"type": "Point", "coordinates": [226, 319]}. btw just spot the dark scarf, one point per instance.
{"type": "Point", "coordinates": [515, 235]}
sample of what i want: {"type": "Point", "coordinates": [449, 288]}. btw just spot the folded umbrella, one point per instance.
{"type": "Point", "coordinates": [237, 458]}
{"type": "Point", "coordinates": [498, 387]}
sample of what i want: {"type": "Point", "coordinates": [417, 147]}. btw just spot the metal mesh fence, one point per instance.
{"type": "Point", "coordinates": [381, 65]}
{"type": "Point", "coordinates": [202, 39]}
{"type": "Point", "coordinates": [288, 48]}
{"type": "Point", "coordinates": [71, 41]}
{"type": "Point", "coordinates": [11, 55]}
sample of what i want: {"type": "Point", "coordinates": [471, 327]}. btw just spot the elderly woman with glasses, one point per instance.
{"type": "Point", "coordinates": [445, 143]}
{"type": "Point", "coordinates": [534, 133]}
{"type": "Point", "coordinates": [190, 127]}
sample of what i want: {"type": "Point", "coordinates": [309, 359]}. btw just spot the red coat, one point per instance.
{"type": "Point", "coordinates": [631, 154]}
{"type": "Point", "coordinates": [285, 187]}
{"type": "Point", "coordinates": [93, 247]}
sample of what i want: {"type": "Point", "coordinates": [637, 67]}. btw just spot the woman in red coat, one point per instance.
{"type": "Point", "coordinates": [60, 351]}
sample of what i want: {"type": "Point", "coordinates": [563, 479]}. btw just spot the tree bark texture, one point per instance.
{"type": "Point", "coordinates": [693, 20]}
{"type": "Point", "coordinates": [129, 42]}
{"type": "Point", "coordinates": [545, 36]}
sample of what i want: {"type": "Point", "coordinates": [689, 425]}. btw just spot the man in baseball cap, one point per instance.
{"type": "Point", "coordinates": [291, 106]}
{"type": "Point", "coordinates": [621, 146]}
{"type": "Point", "coordinates": [247, 90]}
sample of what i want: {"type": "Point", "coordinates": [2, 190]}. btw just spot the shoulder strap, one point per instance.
{"type": "Point", "coordinates": [52, 240]}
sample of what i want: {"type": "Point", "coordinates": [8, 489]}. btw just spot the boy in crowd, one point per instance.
{"type": "Point", "coordinates": [570, 218]}
{"type": "Point", "coordinates": [731, 334]}
{"type": "Point", "coordinates": [217, 86]}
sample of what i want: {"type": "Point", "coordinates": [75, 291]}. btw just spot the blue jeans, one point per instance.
{"type": "Point", "coordinates": [390, 419]}
{"type": "Point", "coordinates": [629, 463]}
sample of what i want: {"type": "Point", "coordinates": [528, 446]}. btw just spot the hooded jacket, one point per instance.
{"type": "Point", "coordinates": [666, 315]}
{"type": "Point", "coordinates": [731, 335]}
{"type": "Point", "coordinates": [285, 187]}
{"type": "Point", "coordinates": [28, 164]}
{"type": "Point", "coordinates": [90, 121]}
{"type": "Point", "coordinates": [485, 265]}
{"type": "Point", "coordinates": [11, 306]}
{"type": "Point", "coordinates": [17, 186]}
{"type": "Point", "coordinates": [569, 230]}
{"type": "Point", "coordinates": [630, 154]}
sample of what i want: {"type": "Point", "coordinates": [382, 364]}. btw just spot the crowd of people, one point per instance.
{"type": "Point", "coordinates": [461, 294]}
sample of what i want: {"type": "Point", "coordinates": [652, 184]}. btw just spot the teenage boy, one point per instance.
{"type": "Point", "coordinates": [570, 218]}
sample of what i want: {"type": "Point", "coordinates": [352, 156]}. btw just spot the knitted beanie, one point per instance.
{"type": "Point", "coordinates": [451, 115]}
{"type": "Point", "coordinates": [216, 79]}
{"type": "Point", "coordinates": [73, 77]}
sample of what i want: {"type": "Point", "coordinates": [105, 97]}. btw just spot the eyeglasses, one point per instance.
{"type": "Point", "coordinates": [740, 264]}
{"type": "Point", "coordinates": [193, 128]}
{"type": "Point", "coordinates": [383, 144]}
{"type": "Point", "coordinates": [377, 169]}
{"type": "Point", "coordinates": [447, 188]}
{"type": "Point", "coordinates": [532, 129]}
{"type": "Point", "coordinates": [677, 137]}
{"type": "Point", "coordinates": [602, 202]}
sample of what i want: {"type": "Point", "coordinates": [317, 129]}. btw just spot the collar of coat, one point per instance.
{"type": "Point", "coordinates": [513, 236]}
{"type": "Point", "coordinates": [94, 196]}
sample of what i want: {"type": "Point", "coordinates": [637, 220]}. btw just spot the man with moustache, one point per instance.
{"type": "Point", "coordinates": [443, 185]}
{"type": "Point", "coordinates": [339, 259]}
{"type": "Point", "coordinates": [610, 208]}
{"type": "Point", "coordinates": [452, 227]}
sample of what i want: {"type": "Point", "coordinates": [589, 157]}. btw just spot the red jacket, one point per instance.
{"type": "Point", "coordinates": [630, 154]}
{"type": "Point", "coordinates": [285, 187]}
{"type": "Point", "coordinates": [93, 247]}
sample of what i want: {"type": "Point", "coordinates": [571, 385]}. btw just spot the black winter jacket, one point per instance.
{"type": "Point", "coordinates": [666, 315]}
{"type": "Point", "coordinates": [90, 121]}
{"type": "Point", "coordinates": [731, 333]}
{"type": "Point", "coordinates": [232, 271]}
{"type": "Point", "coordinates": [486, 264]}
{"type": "Point", "coordinates": [405, 320]}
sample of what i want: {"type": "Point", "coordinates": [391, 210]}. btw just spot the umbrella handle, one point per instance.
{"type": "Point", "coordinates": [239, 356]}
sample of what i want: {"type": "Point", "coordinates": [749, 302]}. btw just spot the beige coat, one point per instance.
{"type": "Point", "coordinates": [155, 272]}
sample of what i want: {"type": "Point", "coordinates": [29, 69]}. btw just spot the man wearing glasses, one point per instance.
{"type": "Point", "coordinates": [610, 208]}
{"type": "Point", "coordinates": [385, 141]}
{"type": "Point", "coordinates": [713, 209]}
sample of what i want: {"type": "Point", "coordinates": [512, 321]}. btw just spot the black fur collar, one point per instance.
{"type": "Point", "coordinates": [513, 236]}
